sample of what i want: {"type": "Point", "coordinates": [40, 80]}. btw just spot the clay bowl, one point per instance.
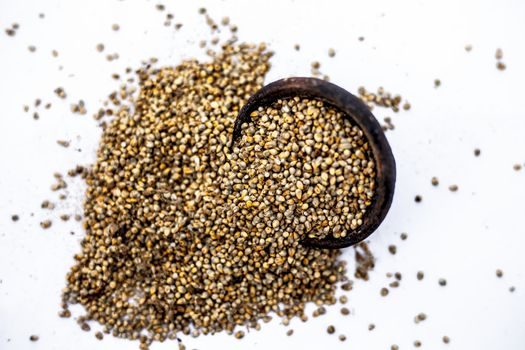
{"type": "Point", "coordinates": [355, 110]}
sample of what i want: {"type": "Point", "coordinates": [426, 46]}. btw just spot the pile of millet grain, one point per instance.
{"type": "Point", "coordinates": [165, 250]}
{"type": "Point", "coordinates": [303, 169]}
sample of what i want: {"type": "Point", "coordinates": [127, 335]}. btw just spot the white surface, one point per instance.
{"type": "Point", "coordinates": [463, 236]}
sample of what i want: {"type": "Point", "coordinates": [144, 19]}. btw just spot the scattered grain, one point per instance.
{"type": "Point", "coordinates": [63, 143]}
{"type": "Point", "coordinates": [46, 224]}
{"type": "Point", "coordinates": [392, 249]}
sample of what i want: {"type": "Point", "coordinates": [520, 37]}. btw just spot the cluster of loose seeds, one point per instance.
{"type": "Point", "coordinates": [301, 169]}
{"type": "Point", "coordinates": [164, 250]}
{"type": "Point", "coordinates": [381, 99]}
{"type": "Point", "coordinates": [79, 108]}
{"type": "Point", "coordinates": [11, 31]}
{"type": "Point", "coordinates": [499, 60]}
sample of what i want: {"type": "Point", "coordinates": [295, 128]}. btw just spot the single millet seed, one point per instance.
{"type": "Point", "coordinates": [46, 224]}
{"type": "Point", "coordinates": [64, 313]}
{"type": "Point", "coordinates": [63, 143]}
{"type": "Point", "coordinates": [499, 54]}
{"type": "Point", "coordinates": [60, 92]}
{"type": "Point", "coordinates": [347, 286]}
{"type": "Point", "coordinates": [420, 317]}
{"type": "Point", "coordinates": [239, 334]}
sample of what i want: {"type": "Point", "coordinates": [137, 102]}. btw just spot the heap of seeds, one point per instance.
{"type": "Point", "coordinates": [162, 252]}
{"type": "Point", "coordinates": [302, 169]}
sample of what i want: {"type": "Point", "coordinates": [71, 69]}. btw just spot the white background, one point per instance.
{"type": "Point", "coordinates": [463, 237]}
